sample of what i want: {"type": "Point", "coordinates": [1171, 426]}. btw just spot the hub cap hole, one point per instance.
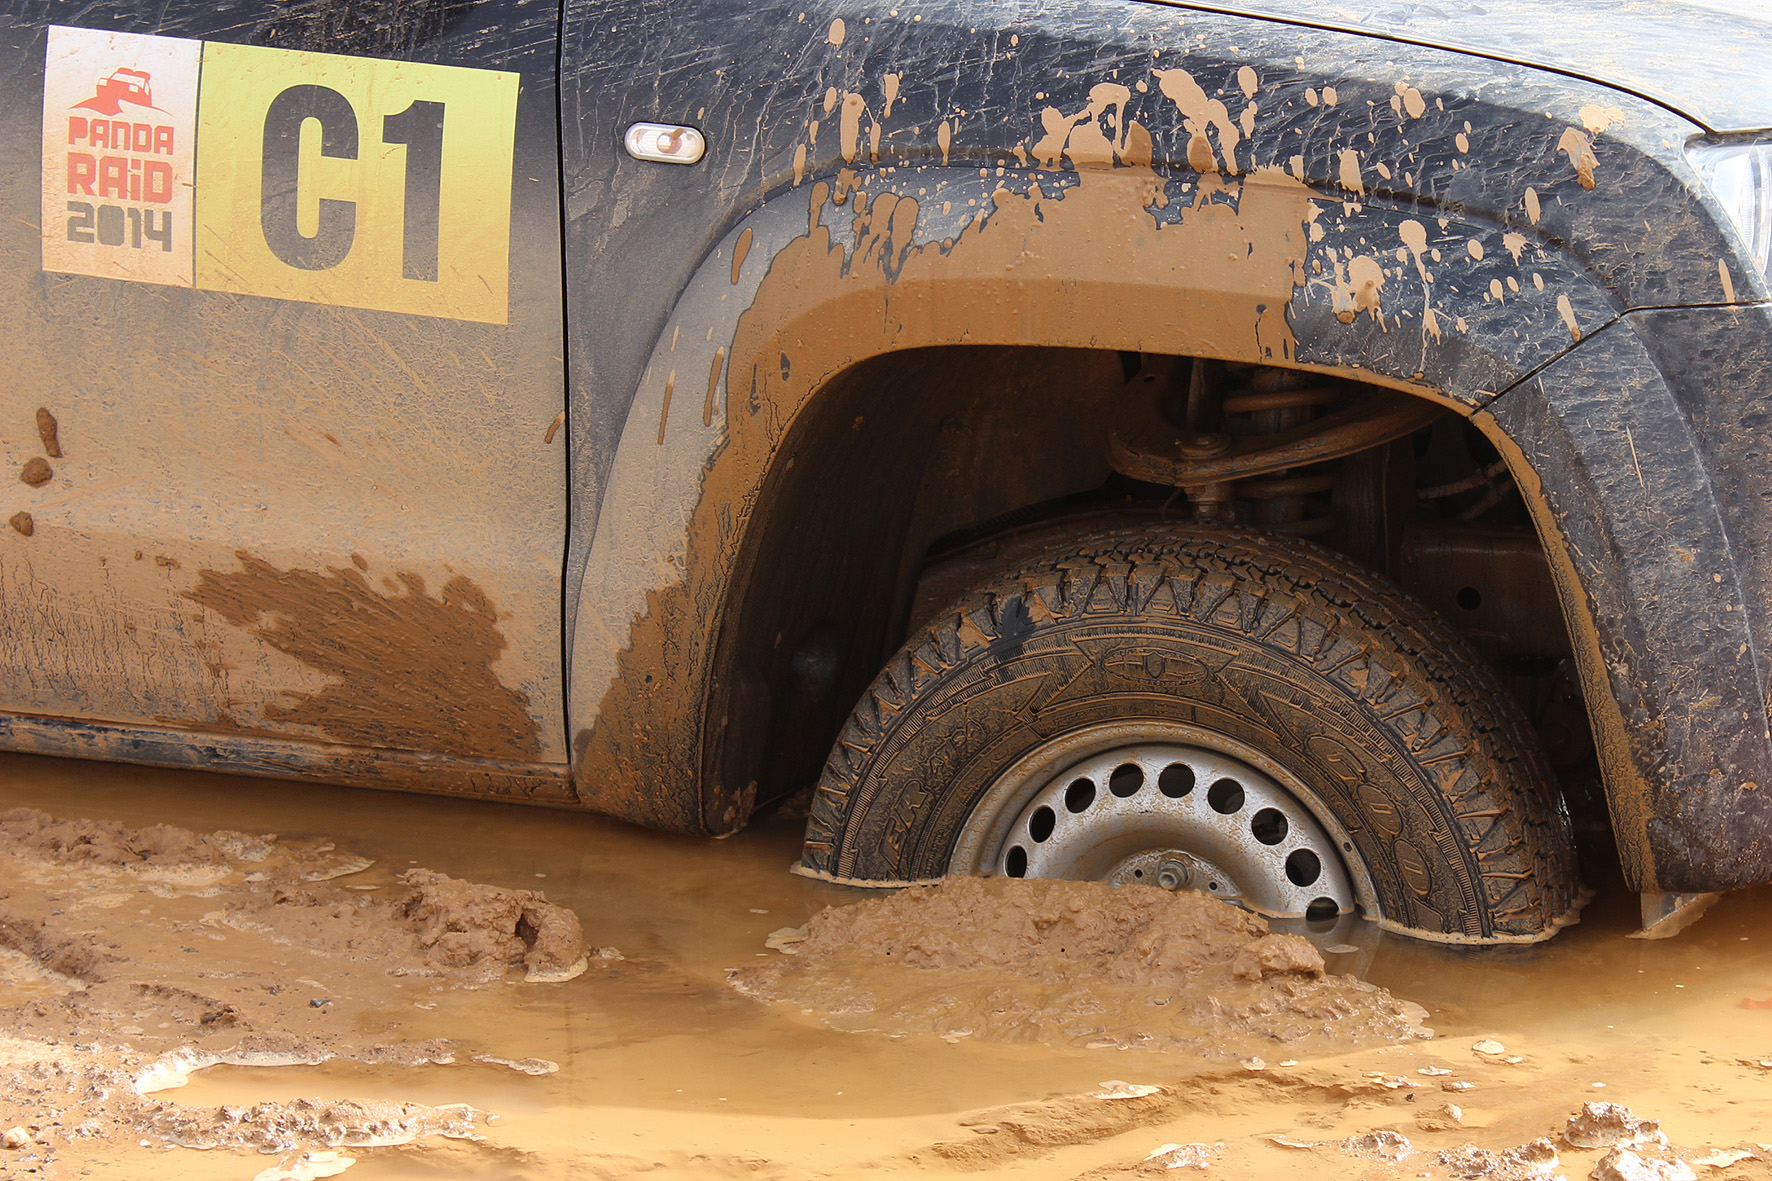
{"type": "Point", "coordinates": [1079, 795]}
{"type": "Point", "coordinates": [1176, 780]}
{"type": "Point", "coordinates": [1041, 823]}
{"type": "Point", "coordinates": [1321, 910]}
{"type": "Point", "coordinates": [1016, 864]}
{"type": "Point", "coordinates": [1269, 826]}
{"type": "Point", "coordinates": [1302, 867]}
{"type": "Point", "coordinates": [1126, 779]}
{"type": "Point", "coordinates": [1225, 796]}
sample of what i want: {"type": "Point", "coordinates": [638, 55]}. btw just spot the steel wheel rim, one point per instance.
{"type": "Point", "coordinates": [1171, 806]}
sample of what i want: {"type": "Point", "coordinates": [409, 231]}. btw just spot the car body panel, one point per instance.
{"type": "Point", "coordinates": [285, 518]}
{"type": "Point", "coordinates": [1716, 79]}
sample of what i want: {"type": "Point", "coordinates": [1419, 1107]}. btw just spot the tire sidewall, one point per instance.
{"type": "Point", "coordinates": [1061, 677]}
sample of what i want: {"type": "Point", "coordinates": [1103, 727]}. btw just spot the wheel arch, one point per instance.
{"type": "Point", "coordinates": [805, 318]}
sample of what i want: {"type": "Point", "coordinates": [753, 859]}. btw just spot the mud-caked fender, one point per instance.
{"type": "Point", "coordinates": [1250, 191]}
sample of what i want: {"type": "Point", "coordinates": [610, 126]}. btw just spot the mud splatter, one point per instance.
{"type": "Point", "coordinates": [1360, 289]}
{"type": "Point", "coordinates": [49, 431]}
{"type": "Point", "coordinates": [36, 472]}
{"type": "Point", "coordinates": [707, 408]}
{"type": "Point", "coordinates": [1348, 172]}
{"type": "Point", "coordinates": [1727, 280]}
{"type": "Point", "coordinates": [1580, 150]}
{"type": "Point", "coordinates": [849, 125]}
{"type": "Point", "coordinates": [1568, 314]}
{"type": "Point", "coordinates": [23, 523]}
{"type": "Point", "coordinates": [740, 251]}
{"type": "Point", "coordinates": [1598, 119]}
{"type": "Point", "coordinates": [1414, 236]}
{"type": "Point", "coordinates": [889, 87]}
{"type": "Point", "coordinates": [1533, 209]}
{"type": "Point", "coordinates": [944, 139]}
{"type": "Point", "coordinates": [412, 671]}
{"type": "Point", "coordinates": [1200, 112]}
{"type": "Point", "coordinates": [1513, 243]}
{"type": "Point", "coordinates": [837, 32]}
{"type": "Point", "coordinates": [664, 413]}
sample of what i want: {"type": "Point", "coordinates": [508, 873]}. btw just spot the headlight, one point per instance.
{"type": "Point", "coordinates": [1740, 175]}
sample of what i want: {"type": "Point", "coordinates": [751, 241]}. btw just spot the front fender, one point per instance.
{"type": "Point", "coordinates": [1642, 454]}
{"type": "Point", "coordinates": [1249, 191]}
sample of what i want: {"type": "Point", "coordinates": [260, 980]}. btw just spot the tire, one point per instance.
{"type": "Point", "coordinates": [1323, 682]}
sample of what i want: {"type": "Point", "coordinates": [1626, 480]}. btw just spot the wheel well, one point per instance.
{"type": "Point", "coordinates": [908, 475]}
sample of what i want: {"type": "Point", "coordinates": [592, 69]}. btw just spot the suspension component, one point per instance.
{"type": "Point", "coordinates": [1146, 445]}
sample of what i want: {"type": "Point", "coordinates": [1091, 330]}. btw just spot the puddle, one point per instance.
{"type": "Point", "coordinates": [665, 1068]}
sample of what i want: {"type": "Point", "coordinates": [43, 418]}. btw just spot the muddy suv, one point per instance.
{"type": "Point", "coordinates": [1223, 448]}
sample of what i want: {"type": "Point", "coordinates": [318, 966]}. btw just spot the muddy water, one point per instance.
{"type": "Point", "coordinates": [663, 1067]}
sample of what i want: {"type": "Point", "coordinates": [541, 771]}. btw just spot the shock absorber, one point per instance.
{"type": "Point", "coordinates": [1293, 500]}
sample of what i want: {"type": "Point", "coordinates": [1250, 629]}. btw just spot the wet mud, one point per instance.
{"type": "Point", "coordinates": [1075, 963]}
{"type": "Point", "coordinates": [383, 1021]}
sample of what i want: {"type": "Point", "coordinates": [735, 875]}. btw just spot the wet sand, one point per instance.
{"type": "Point", "coordinates": [666, 1069]}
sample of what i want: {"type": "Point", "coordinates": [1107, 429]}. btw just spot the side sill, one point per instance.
{"type": "Point", "coordinates": [546, 784]}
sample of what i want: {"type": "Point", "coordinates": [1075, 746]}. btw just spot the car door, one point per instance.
{"type": "Point", "coordinates": [283, 373]}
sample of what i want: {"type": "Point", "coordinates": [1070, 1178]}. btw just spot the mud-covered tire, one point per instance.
{"type": "Point", "coordinates": [1373, 706]}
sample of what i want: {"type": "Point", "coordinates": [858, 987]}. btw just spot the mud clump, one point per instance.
{"type": "Point", "coordinates": [1602, 1125]}
{"type": "Point", "coordinates": [1528, 1162]}
{"type": "Point", "coordinates": [1622, 1164]}
{"type": "Point", "coordinates": [464, 923]}
{"type": "Point", "coordinates": [1075, 963]}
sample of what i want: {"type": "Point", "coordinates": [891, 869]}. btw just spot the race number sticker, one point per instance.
{"type": "Point", "coordinates": [328, 179]}
{"type": "Point", "coordinates": [119, 138]}
{"type": "Point", "coordinates": [346, 180]}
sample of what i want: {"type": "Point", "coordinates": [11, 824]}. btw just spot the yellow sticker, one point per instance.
{"type": "Point", "coordinates": [347, 180]}
{"type": "Point", "coordinates": [327, 179]}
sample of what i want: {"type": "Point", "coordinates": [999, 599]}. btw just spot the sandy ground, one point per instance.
{"type": "Point", "coordinates": [404, 987]}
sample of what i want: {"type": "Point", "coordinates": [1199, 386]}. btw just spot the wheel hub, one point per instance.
{"type": "Point", "coordinates": [1179, 817]}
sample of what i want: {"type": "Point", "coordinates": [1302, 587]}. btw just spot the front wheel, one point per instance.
{"type": "Point", "coordinates": [1220, 711]}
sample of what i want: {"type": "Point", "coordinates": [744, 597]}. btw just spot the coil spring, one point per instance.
{"type": "Point", "coordinates": [1288, 502]}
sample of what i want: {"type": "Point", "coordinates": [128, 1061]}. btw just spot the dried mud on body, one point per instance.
{"type": "Point", "coordinates": [130, 958]}
{"type": "Point", "coordinates": [1077, 963]}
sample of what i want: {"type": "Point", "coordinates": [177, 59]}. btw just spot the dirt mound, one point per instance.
{"type": "Point", "coordinates": [1073, 962]}
{"type": "Point", "coordinates": [463, 923]}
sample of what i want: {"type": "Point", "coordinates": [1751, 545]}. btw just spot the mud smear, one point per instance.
{"type": "Point", "coordinates": [1076, 963]}
{"type": "Point", "coordinates": [413, 672]}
